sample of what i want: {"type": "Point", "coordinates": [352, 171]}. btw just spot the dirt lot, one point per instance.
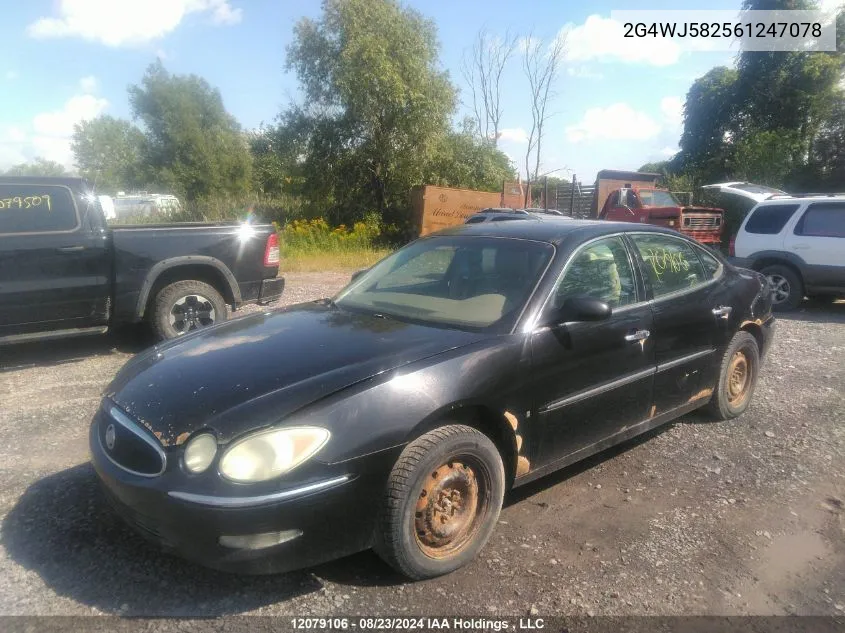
{"type": "Point", "coordinates": [698, 518]}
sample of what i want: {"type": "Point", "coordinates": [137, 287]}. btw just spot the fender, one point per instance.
{"type": "Point", "coordinates": [792, 258]}
{"type": "Point", "coordinates": [173, 262]}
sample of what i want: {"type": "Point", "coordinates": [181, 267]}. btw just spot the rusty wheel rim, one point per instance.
{"type": "Point", "coordinates": [739, 379]}
{"type": "Point", "coordinates": [449, 508]}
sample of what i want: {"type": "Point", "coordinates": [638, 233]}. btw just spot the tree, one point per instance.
{"type": "Point", "coordinates": [541, 65]}
{"type": "Point", "coordinates": [375, 108]}
{"type": "Point", "coordinates": [38, 167]}
{"type": "Point", "coordinates": [191, 142]}
{"type": "Point", "coordinates": [108, 153]}
{"type": "Point", "coordinates": [710, 114]}
{"type": "Point", "coordinates": [482, 69]}
{"type": "Point", "coordinates": [464, 160]}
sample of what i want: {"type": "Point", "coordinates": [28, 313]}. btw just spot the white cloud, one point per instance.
{"type": "Point", "coordinates": [673, 110]}
{"type": "Point", "coordinates": [514, 135]}
{"type": "Point", "coordinates": [603, 39]}
{"type": "Point", "coordinates": [127, 22]}
{"type": "Point", "coordinates": [88, 84]}
{"type": "Point", "coordinates": [11, 75]}
{"type": "Point", "coordinates": [669, 151]}
{"type": "Point", "coordinates": [615, 122]}
{"type": "Point", "coordinates": [48, 134]}
{"type": "Point", "coordinates": [582, 72]}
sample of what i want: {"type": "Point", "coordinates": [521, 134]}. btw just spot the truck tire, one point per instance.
{"type": "Point", "coordinates": [787, 287]}
{"type": "Point", "coordinates": [441, 503]}
{"type": "Point", "coordinates": [186, 306]}
{"type": "Point", "coordinates": [738, 373]}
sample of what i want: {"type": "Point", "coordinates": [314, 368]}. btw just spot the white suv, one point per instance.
{"type": "Point", "coordinates": [798, 242]}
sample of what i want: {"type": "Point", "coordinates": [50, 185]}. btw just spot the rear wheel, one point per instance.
{"type": "Point", "coordinates": [185, 306]}
{"type": "Point", "coordinates": [737, 377]}
{"type": "Point", "coordinates": [785, 284]}
{"type": "Point", "coordinates": [442, 502]}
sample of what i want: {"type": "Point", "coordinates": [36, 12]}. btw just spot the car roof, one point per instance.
{"type": "Point", "coordinates": [551, 232]}
{"type": "Point", "coordinates": [73, 183]}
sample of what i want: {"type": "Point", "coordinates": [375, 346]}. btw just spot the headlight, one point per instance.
{"type": "Point", "coordinates": [200, 452]}
{"type": "Point", "coordinates": [271, 453]}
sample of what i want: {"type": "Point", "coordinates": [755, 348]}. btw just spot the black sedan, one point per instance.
{"type": "Point", "coordinates": [398, 414]}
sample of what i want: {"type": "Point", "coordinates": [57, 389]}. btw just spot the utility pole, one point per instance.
{"type": "Point", "coordinates": [572, 194]}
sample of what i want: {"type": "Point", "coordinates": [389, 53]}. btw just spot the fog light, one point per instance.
{"type": "Point", "coordinates": [259, 541]}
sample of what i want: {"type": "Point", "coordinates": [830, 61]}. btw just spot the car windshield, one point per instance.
{"type": "Point", "coordinates": [463, 282]}
{"type": "Point", "coordinates": [657, 198]}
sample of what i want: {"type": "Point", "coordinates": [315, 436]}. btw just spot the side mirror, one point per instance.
{"type": "Point", "coordinates": [357, 274]}
{"type": "Point", "coordinates": [581, 309]}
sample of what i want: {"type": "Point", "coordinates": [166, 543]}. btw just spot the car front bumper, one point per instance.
{"type": "Point", "coordinates": [333, 516]}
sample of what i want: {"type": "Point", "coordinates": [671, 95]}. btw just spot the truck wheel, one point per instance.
{"type": "Point", "coordinates": [185, 306]}
{"type": "Point", "coordinates": [442, 502]}
{"type": "Point", "coordinates": [786, 286]}
{"type": "Point", "coordinates": [737, 377]}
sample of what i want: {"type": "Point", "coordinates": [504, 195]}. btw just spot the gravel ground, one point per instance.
{"type": "Point", "coordinates": [696, 518]}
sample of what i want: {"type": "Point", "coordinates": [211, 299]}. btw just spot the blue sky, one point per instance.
{"type": "Point", "coordinates": [68, 60]}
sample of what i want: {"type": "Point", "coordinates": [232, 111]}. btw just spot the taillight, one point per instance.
{"type": "Point", "coordinates": [271, 250]}
{"type": "Point", "coordinates": [732, 247]}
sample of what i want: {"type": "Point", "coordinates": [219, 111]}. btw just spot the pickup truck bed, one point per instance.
{"type": "Point", "coordinates": [64, 271]}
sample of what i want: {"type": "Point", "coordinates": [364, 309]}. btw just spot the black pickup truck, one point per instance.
{"type": "Point", "coordinates": [63, 271]}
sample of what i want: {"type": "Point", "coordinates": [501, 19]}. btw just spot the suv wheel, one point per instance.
{"type": "Point", "coordinates": [787, 289]}
{"type": "Point", "coordinates": [185, 306]}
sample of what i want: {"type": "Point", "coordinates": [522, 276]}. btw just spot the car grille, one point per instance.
{"type": "Point", "coordinates": [128, 445]}
{"type": "Point", "coordinates": [702, 222]}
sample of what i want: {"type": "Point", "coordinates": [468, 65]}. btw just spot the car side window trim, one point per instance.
{"type": "Point", "coordinates": [63, 231]}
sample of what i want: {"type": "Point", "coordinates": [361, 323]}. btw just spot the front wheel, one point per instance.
{"type": "Point", "coordinates": [185, 306]}
{"type": "Point", "coordinates": [442, 502]}
{"type": "Point", "coordinates": [737, 377]}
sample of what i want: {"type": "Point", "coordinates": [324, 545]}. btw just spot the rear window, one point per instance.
{"type": "Point", "coordinates": [770, 219]}
{"type": "Point", "coordinates": [36, 209]}
{"type": "Point", "coordinates": [823, 220]}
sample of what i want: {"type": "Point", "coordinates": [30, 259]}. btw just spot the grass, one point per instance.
{"type": "Point", "coordinates": [299, 261]}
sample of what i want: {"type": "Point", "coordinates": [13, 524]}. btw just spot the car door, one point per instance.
{"type": "Point", "coordinates": [54, 264]}
{"type": "Point", "coordinates": [592, 379]}
{"type": "Point", "coordinates": [692, 315]}
{"type": "Point", "coordinates": [819, 239]}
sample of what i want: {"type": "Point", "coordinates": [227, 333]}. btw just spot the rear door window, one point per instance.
{"type": "Point", "coordinates": [671, 264]}
{"type": "Point", "coordinates": [823, 220]}
{"type": "Point", "coordinates": [36, 209]}
{"type": "Point", "coordinates": [770, 219]}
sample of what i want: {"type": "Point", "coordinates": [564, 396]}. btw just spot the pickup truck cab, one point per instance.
{"type": "Point", "coordinates": [64, 271]}
{"type": "Point", "coordinates": [798, 242]}
{"type": "Point", "coordinates": [659, 207]}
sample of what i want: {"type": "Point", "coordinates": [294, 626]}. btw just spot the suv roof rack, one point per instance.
{"type": "Point", "coordinates": [805, 195]}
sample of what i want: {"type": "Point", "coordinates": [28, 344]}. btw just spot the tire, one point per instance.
{"type": "Point", "coordinates": [787, 287]}
{"type": "Point", "coordinates": [442, 501]}
{"type": "Point", "coordinates": [738, 374]}
{"type": "Point", "coordinates": [201, 303]}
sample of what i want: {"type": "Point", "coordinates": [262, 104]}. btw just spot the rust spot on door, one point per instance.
{"type": "Point", "coordinates": [704, 393]}
{"type": "Point", "coordinates": [522, 466]}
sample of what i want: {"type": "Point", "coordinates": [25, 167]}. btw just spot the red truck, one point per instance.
{"type": "Point", "coordinates": [652, 205]}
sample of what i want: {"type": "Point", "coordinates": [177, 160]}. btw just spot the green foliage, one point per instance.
{"type": "Point", "coordinates": [37, 167]}
{"type": "Point", "coordinates": [775, 119]}
{"type": "Point", "coordinates": [192, 144]}
{"type": "Point", "coordinates": [108, 153]}
{"type": "Point", "coordinates": [377, 109]}
{"type": "Point", "coordinates": [463, 160]}
{"type": "Point", "coordinates": [659, 167]}
{"type": "Point", "coordinates": [314, 245]}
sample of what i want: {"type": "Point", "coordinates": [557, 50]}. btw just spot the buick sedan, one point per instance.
{"type": "Point", "coordinates": [397, 414]}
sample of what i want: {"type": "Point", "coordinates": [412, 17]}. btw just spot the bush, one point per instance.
{"type": "Point", "coordinates": [317, 236]}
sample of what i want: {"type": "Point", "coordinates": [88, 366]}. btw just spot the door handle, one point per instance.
{"type": "Point", "coordinates": [639, 335]}
{"type": "Point", "coordinates": [722, 312]}
{"type": "Point", "coordinates": [800, 247]}
{"type": "Point", "coordinates": [70, 249]}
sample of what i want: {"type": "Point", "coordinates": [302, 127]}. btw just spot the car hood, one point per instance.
{"type": "Point", "coordinates": [282, 360]}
